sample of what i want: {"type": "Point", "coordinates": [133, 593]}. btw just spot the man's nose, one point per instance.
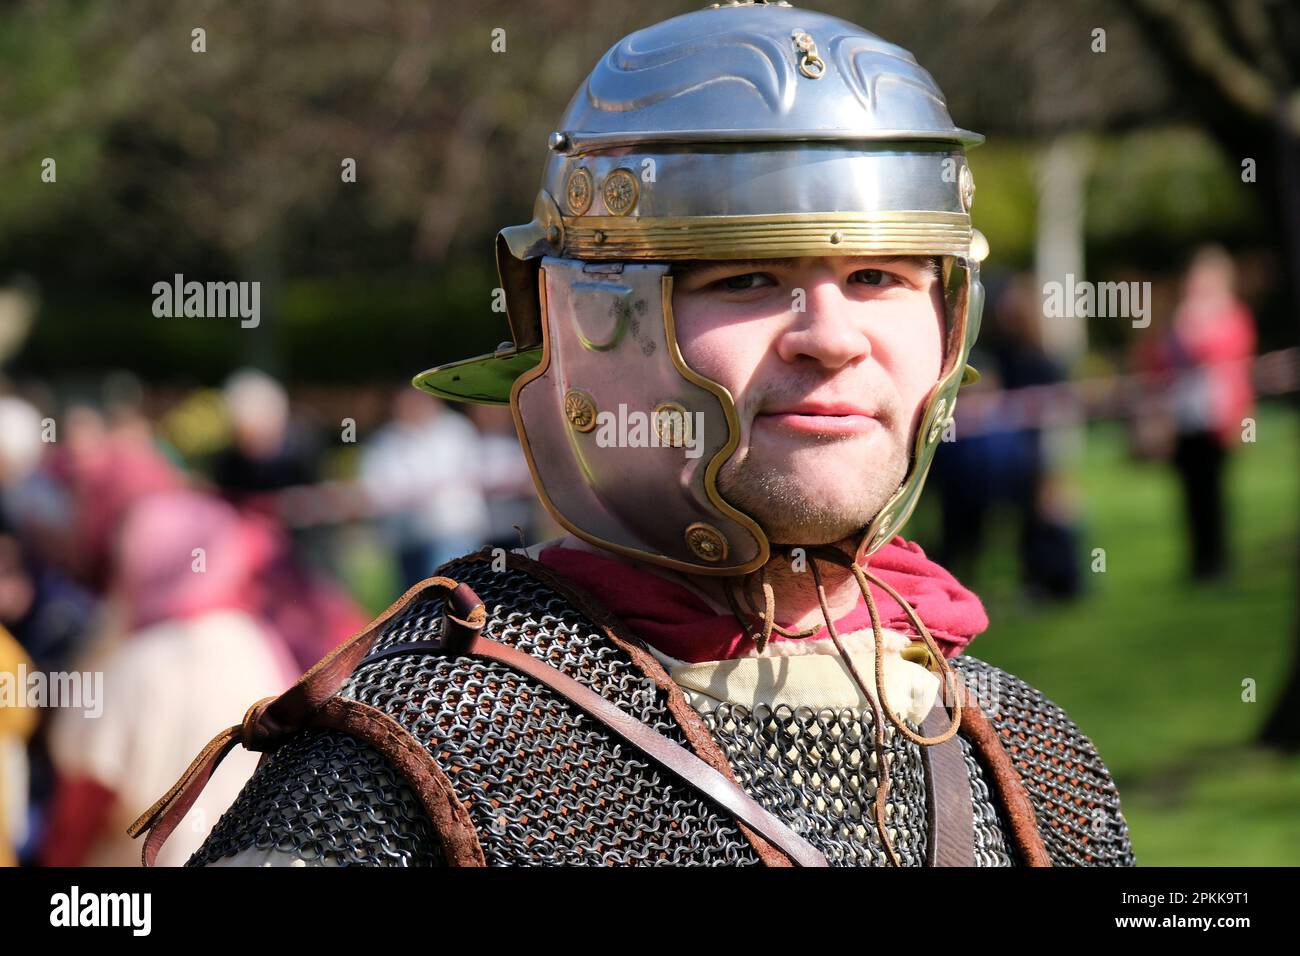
{"type": "Point", "coordinates": [825, 329]}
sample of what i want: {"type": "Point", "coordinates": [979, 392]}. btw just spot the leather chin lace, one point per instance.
{"type": "Point", "coordinates": [760, 625]}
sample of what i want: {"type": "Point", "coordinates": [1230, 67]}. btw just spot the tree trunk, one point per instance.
{"type": "Point", "coordinates": [1282, 728]}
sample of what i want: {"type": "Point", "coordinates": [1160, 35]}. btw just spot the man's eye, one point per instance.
{"type": "Point", "coordinates": [741, 283]}
{"type": "Point", "coordinates": [874, 277]}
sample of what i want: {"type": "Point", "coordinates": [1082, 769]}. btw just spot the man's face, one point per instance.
{"type": "Point", "coordinates": [829, 361]}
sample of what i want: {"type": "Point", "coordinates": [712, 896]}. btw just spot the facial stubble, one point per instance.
{"type": "Point", "coordinates": [792, 513]}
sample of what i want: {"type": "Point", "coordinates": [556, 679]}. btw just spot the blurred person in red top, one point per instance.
{"type": "Point", "coordinates": [1203, 372]}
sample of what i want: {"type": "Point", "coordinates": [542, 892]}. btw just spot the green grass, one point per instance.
{"type": "Point", "coordinates": [1152, 668]}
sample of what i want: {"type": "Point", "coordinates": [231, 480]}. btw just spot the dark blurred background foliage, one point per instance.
{"type": "Point", "coordinates": [226, 164]}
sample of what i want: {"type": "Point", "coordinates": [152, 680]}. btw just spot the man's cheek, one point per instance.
{"type": "Point", "coordinates": [699, 352]}
{"type": "Point", "coordinates": [721, 362]}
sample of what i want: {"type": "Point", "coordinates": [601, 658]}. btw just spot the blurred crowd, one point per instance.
{"type": "Point", "coordinates": [181, 547]}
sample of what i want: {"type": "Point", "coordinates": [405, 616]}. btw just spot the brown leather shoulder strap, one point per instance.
{"type": "Point", "coordinates": [948, 799]}
{"type": "Point", "coordinates": [1006, 781]}
{"type": "Point", "coordinates": [451, 820]}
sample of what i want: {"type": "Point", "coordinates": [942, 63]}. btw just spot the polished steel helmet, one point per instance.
{"type": "Point", "coordinates": [743, 130]}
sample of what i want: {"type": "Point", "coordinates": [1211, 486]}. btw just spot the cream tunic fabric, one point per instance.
{"type": "Point", "coordinates": [809, 673]}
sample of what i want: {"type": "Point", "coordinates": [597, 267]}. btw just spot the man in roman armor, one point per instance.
{"type": "Point", "coordinates": [739, 320]}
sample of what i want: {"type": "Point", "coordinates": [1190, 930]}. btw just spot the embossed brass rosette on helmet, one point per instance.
{"type": "Point", "coordinates": [746, 130]}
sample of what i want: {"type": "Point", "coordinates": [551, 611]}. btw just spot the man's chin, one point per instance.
{"type": "Point", "coordinates": [787, 538]}
{"type": "Point", "coordinates": [807, 506]}
{"type": "Point", "coordinates": [794, 517]}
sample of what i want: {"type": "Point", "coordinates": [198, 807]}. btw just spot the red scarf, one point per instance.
{"type": "Point", "coordinates": [678, 623]}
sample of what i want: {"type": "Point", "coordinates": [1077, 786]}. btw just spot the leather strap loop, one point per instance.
{"type": "Point", "coordinates": [165, 815]}
{"type": "Point", "coordinates": [252, 717]}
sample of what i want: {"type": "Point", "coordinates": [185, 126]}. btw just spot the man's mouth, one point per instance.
{"type": "Point", "coordinates": [835, 418]}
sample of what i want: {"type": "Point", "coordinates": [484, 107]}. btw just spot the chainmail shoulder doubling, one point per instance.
{"type": "Point", "coordinates": [327, 798]}
{"type": "Point", "coordinates": [1075, 800]}
{"type": "Point", "coordinates": [544, 784]}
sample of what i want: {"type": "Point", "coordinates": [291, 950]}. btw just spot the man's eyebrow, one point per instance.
{"type": "Point", "coordinates": [685, 267]}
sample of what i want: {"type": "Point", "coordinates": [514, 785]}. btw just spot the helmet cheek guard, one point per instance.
{"type": "Point", "coordinates": [964, 298]}
{"type": "Point", "coordinates": [633, 437]}
{"type": "Point", "coordinates": [837, 143]}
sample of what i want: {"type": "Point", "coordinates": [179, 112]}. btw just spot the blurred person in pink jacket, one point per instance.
{"type": "Point", "coordinates": [187, 649]}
